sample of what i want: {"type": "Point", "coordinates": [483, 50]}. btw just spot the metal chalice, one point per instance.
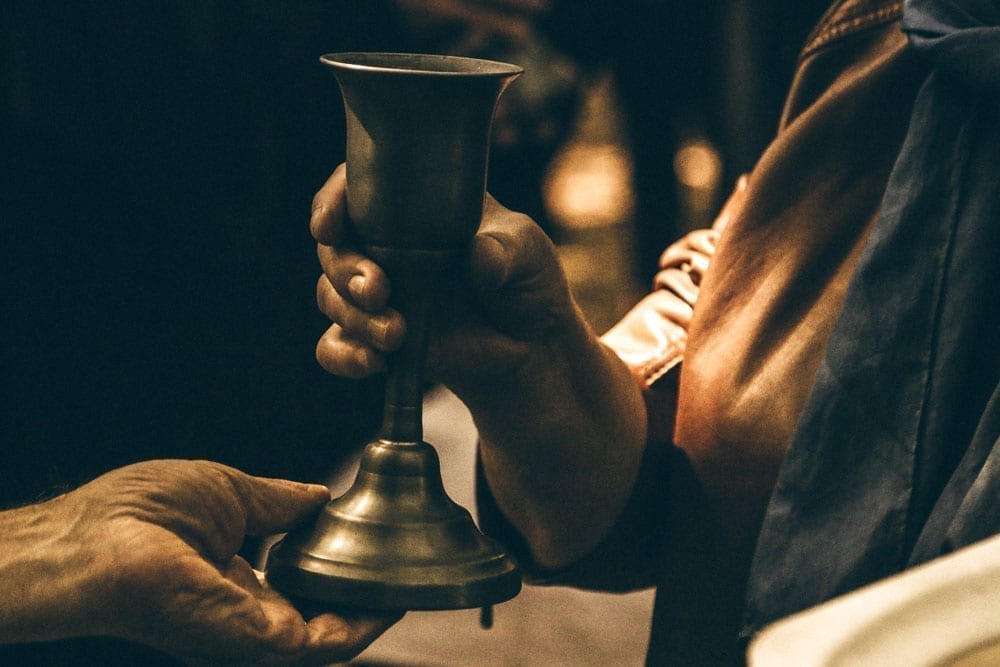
{"type": "Point", "coordinates": [418, 135]}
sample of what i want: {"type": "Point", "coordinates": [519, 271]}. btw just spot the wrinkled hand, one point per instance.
{"type": "Point", "coordinates": [511, 306]}
{"type": "Point", "coordinates": [162, 538]}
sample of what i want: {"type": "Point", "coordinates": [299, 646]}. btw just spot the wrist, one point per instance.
{"type": "Point", "coordinates": [52, 587]}
{"type": "Point", "coordinates": [561, 446]}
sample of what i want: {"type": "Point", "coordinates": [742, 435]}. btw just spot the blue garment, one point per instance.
{"type": "Point", "coordinates": [896, 457]}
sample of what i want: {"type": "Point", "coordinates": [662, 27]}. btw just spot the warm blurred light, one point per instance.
{"type": "Point", "coordinates": [698, 165]}
{"type": "Point", "coordinates": [590, 185]}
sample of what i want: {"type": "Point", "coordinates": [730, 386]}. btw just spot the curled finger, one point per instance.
{"type": "Point", "coordinates": [346, 357]}
{"type": "Point", "coordinates": [679, 282]}
{"type": "Point", "coordinates": [355, 277]}
{"type": "Point", "coordinates": [383, 331]}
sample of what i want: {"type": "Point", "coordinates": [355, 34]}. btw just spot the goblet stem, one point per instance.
{"type": "Point", "coordinates": [417, 278]}
{"type": "Point", "coordinates": [402, 419]}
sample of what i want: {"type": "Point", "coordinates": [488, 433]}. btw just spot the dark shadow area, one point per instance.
{"type": "Point", "coordinates": [158, 163]}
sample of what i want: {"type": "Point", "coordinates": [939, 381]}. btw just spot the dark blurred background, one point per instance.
{"type": "Point", "coordinates": [159, 162]}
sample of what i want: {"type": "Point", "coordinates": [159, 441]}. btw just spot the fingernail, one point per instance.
{"type": "Point", "coordinates": [356, 285]}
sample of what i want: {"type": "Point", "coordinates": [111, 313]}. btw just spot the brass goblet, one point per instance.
{"type": "Point", "coordinates": [418, 131]}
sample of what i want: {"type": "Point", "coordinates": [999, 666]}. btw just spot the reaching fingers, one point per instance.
{"type": "Point", "coordinates": [239, 621]}
{"type": "Point", "coordinates": [311, 637]}
{"type": "Point", "coordinates": [274, 505]}
{"type": "Point", "coordinates": [338, 637]}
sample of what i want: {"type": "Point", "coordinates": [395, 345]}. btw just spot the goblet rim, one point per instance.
{"type": "Point", "coordinates": [420, 64]}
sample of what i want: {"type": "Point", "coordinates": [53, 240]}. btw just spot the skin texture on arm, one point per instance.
{"type": "Point", "coordinates": [148, 553]}
{"type": "Point", "coordinates": [561, 421]}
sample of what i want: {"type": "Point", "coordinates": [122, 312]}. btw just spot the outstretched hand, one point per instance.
{"type": "Point", "coordinates": [148, 553]}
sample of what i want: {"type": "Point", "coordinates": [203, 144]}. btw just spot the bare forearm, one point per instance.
{"type": "Point", "coordinates": [561, 444]}
{"type": "Point", "coordinates": [47, 576]}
